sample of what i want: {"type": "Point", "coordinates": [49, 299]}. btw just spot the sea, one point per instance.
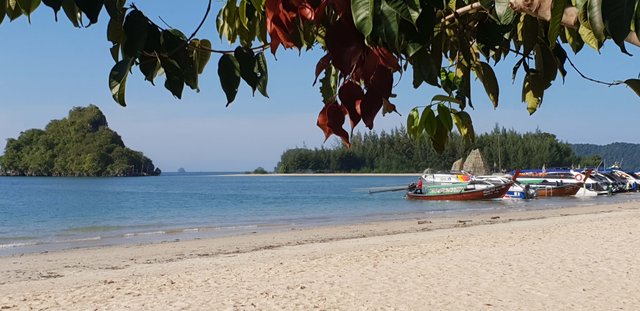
{"type": "Point", "coordinates": [41, 214]}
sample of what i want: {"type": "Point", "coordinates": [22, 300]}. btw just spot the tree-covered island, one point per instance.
{"type": "Point", "coordinates": [81, 144]}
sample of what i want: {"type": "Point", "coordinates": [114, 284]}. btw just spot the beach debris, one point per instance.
{"type": "Point", "coordinates": [495, 217]}
{"type": "Point", "coordinates": [422, 222]}
{"type": "Point", "coordinates": [464, 222]}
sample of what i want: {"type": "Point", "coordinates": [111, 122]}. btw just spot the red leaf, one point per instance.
{"type": "Point", "coordinates": [335, 114]}
{"type": "Point", "coordinates": [320, 14]}
{"type": "Point", "coordinates": [369, 65]}
{"type": "Point", "coordinates": [388, 107]}
{"type": "Point", "coordinates": [342, 7]}
{"type": "Point", "coordinates": [387, 58]}
{"type": "Point", "coordinates": [331, 119]}
{"type": "Point", "coordinates": [345, 44]}
{"type": "Point", "coordinates": [322, 64]}
{"type": "Point", "coordinates": [323, 122]}
{"type": "Point", "coordinates": [369, 107]}
{"type": "Point", "coordinates": [377, 91]}
{"type": "Point", "coordinates": [351, 95]}
{"type": "Point", "coordinates": [306, 12]}
{"type": "Point", "coordinates": [382, 82]}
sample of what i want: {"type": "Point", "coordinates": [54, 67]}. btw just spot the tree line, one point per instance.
{"type": "Point", "coordinates": [396, 152]}
{"type": "Point", "coordinates": [79, 145]}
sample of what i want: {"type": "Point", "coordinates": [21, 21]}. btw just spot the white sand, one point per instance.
{"type": "Point", "coordinates": [584, 258]}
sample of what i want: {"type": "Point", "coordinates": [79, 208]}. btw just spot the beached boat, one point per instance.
{"type": "Point", "coordinates": [553, 190]}
{"type": "Point", "coordinates": [516, 191]}
{"type": "Point", "coordinates": [458, 192]}
{"type": "Point", "coordinates": [591, 183]}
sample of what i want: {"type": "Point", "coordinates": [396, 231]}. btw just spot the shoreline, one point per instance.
{"type": "Point", "coordinates": [324, 175]}
{"type": "Point", "coordinates": [235, 272]}
{"type": "Point", "coordinates": [158, 235]}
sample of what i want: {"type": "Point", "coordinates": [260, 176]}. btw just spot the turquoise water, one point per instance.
{"type": "Point", "coordinates": [49, 213]}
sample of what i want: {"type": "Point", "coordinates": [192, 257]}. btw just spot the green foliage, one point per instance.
{"type": "Point", "coordinates": [260, 170]}
{"type": "Point", "coordinates": [79, 145]}
{"type": "Point", "coordinates": [368, 44]}
{"type": "Point", "coordinates": [396, 152]}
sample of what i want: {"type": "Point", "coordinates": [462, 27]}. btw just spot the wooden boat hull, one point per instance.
{"type": "Point", "coordinates": [495, 192]}
{"type": "Point", "coordinates": [558, 191]}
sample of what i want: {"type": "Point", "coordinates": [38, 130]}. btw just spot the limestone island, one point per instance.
{"type": "Point", "coordinates": [81, 144]}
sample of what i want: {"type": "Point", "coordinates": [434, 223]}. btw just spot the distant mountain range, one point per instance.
{"type": "Point", "coordinates": [626, 154]}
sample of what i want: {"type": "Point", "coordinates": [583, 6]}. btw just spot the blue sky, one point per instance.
{"type": "Point", "coordinates": [48, 68]}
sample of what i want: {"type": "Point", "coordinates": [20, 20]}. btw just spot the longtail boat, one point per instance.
{"type": "Point", "coordinates": [557, 191]}
{"type": "Point", "coordinates": [457, 192]}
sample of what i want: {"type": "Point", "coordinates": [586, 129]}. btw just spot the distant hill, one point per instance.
{"type": "Point", "coordinates": [81, 144]}
{"type": "Point", "coordinates": [628, 154]}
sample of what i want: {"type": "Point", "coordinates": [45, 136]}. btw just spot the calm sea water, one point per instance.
{"type": "Point", "coordinates": [49, 213]}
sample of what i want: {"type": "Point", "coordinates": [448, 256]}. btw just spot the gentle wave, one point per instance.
{"type": "Point", "coordinates": [133, 234]}
{"type": "Point", "coordinates": [12, 245]}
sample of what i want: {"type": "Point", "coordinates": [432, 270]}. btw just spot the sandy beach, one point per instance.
{"type": "Point", "coordinates": [579, 258]}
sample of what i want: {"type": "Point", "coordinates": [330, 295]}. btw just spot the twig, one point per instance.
{"type": "Point", "coordinates": [591, 79]}
{"type": "Point", "coordinates": [463, 10]}
{"type": "Point", "coordinates": [204, 18]}
{"type": "Point", "coordinates": [255, 49]}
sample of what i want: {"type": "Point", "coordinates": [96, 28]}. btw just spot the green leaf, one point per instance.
{"type": "Point", "coordinates": [464, 124]}
{"type": "Point", "coordinates": [13, 10]}
{"type": "Point", "coordinates": [115, 52]}
{"type": "Point", "coordinates": [242, 14]}
{"type": "Point", "coordinates": [362, 12]}
{"type": "Point", "coordinates": [574, 39]}
{"type": "Point", "coordinates": [413, 123]}
{"type": "Point", "coordinates": [444, 115]}
{"type": "Point", "coordinates": [263, 74]}
{"type": "Point", "coordinates": [441, 135]}
{"type": "Point", "coordinates": [258, 4]}
{"type": "Point", "coordinates": [174, 76]}
{"type": "Point", "coordinates": [203, 54]}
{"type": "Point", "coordinates": [596, 21]}
{"type": "Point", "coordinates": [428, 121]}
{"type": "Point", "coordinates": [617, 17]}
{"type": "Point", "coordinates": [389, 26]}
{"type": "Point", "coordinates": [329, 85]}
{"type": "Point", "coordinates": [115, 32]}
{"type": "Point", "coordinates": [91, 9]}
{"type": "Point", "coordinates": [229, 74]}
{"type": "Point", "coordinates": [485, 73]}
{"type": "Point", "coordinates": [402, 9]}
{"type": "Point", "coordinates": [504, 13]}
{"type": "Point", "coordinates": [424, 69]}
{"type": "Point", "coordinates": [118, 80]}
{"type": "Point", "coordinates": [3, 9]}
{"type": "Point", "coordinates": [557, 10]}
{"type": "Point", "coordinates": [72, 12]}
{"type": "Point", "coordinates": [28, 6]}
{"type": "Point", "coordinates": [445, 98]}
{"type": "Point", "coordinates": [56, 5]}
{"type": "Point", "coordinates": [150, 67]}
{"type": "Point", "coordinates": [528, 32]}
{"type": "Point", "coordinates": [589, 37]}
{"type": "Point", "coordinates": [247, 61]}
{"type": "Point", "coordinates": [136, 29]}
{"type": "Point", "coordinates": [532, 92]}
{"type": "Point", "coordinates": [634, 84]}
{"type": "Point", "coordinates": [115, 8]}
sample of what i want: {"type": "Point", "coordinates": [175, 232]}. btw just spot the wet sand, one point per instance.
{"type": "Point", "coordinates": [578, 258]}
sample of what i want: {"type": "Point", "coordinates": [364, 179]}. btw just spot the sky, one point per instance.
{"type": "Point", "coordinates": [46, 68]}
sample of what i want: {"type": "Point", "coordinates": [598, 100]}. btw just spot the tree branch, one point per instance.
{"type": "Point", "coordinates": [542, 10]}
{"type": "Point", "coordinates": [591, 79]}
{"type": "Point", "coordinates": [463, 10]}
